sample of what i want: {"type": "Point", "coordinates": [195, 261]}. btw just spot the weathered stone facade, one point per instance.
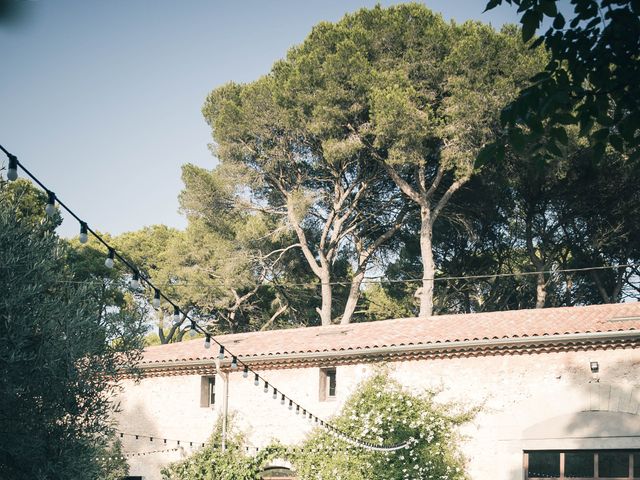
{"type": "Point", "coordinates": [541, 395]}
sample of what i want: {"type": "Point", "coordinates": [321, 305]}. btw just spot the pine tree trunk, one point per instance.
{"type": "Point", "coordinates": [325, 310]}
{"type": "Point", "coordinates": [428, 267]}
{"type": "Point", "coordinates": [541, 291]}
{"type": "Point", "coordinates": [354, 296]}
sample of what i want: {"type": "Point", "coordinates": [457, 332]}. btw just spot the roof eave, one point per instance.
{"type": "Point", "coordinates": [401, 350]}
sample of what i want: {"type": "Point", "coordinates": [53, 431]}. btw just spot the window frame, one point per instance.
{"type": "Point", "coordinates": [595, 452]}
{"type": "Point", "coordinates": [207, 391]}
{"type": "Point", "coordinates": [326, 376]}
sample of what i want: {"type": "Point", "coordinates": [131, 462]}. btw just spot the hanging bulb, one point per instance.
{"type": "Point", "coordinates": [156, 299]}
{"type": "Point", "coordinates": [84, 237]}
{"type": "Point", "coordinates": [50, 208]}
{"type": "Point", "coordinates": [176, 316]}
{"type": "Point", "coordinates": [297, 409]}
{"type": "Point", "coordinates": [110, 256]}
{"type": "Point", "coordinates": [275, 393]}
{"type": "Point", "coordinates": [256, 380]}
{"type": "Point", "coordinates": [12, 171]}
{"type": "Point", "coordinates": [245, 372]}
{"type": "Point", "coordinates": [207, 341]}
{"type": "Point", "coordinates": [221, 354]}
{"type": "Point", "coordinates": [135, 281]}
{"type": "Point", "coordinates": [193, 332]}
{"type": "Point", "coordinates": [290, 404]}
{"type": "Point", "coordinates": [282, 400]}
{"type": "Point", "coordinates": [234, 363]}
{"type": "Point", "coordinates": [266, 387]}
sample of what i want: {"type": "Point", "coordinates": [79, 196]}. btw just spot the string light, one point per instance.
{"type": "Point", "coordinates": [156, 302]}
{"type": "Point", "coordinates": [256, 380]}
{"type": "Point", "coordinates": [110, 256]}
{"type": "Point", "coordinates": [135, 281]}
{"type": "Point", "coordinates": [234, 363]}
{"type": "Point", "coordinates": [176, 315]}
{"type": "Point", "coordinates": [290, 404]}
{"type": "Point", "coordinates": [12, 171]}
{"type": "Point", "coordinates": [156, 299]}
{"type": "Point", "coordinates": [221, 353]}
{"type": "Point", "coordinates": [50, 207]}
{"type": "Point", "coordinates": [282, 400]}
{"type": "Point", "coordinates": [207, 341]}
{"type": "Point", "coordinates": [193, 331]}
{"type": "Point", "coordinates": [84, 237]}
{"type": "Point", "coordinates": [275, 393]}
{"type": "Point", "coordinates": [245, 372]}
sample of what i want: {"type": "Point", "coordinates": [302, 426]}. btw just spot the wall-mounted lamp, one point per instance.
{"type": "Point", "coordinates": [595, 368]}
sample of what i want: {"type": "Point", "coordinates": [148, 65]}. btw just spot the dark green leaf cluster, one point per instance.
{"type": "Point", "coordinates": [60, 352]}
{"type": "Point", "coordinates": [591, 79]}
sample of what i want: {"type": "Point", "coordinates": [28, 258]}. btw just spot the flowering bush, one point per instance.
{"type": "Point", "coordinates": [381, 411]}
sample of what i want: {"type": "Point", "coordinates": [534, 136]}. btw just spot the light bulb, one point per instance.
{"type": "Point", "coordinates": [135, 281]}
{"type": "Point", "coordinates": [207, 341]}
{"type": "Point", "coordinates": [109, 261]}
{"type": "Point", "coordinates": [256, 380]}
{"type": "Point", "coordinates": [221, 353]}
{"type": "Point", "coordinates": [245, 373]}
{"type": "Point", "coordinates": [275, 394]}
{"type": "Point", "coordinates": [234, 363]}
{"type": "Point", "coordinates": [176, 316]}
{"type": "Point", "coordinates": [84, 237]}
{"type": "Point", "coordinates": [282, 400]}
{"type": "Point", "coordinates": [297, 409]}
{"type": "Point", "coordinates": [290, 404]}
{"type": "Point", "coordinates": [266, 387]}
{"type": "Point", "coordinates": [12, 171]}
{"type": "Point", "coordinates": [50, 208]}
{"type": "Point", "coordinates": [156, 299]}
{"type": "Point", "coordinates": [193, 332]}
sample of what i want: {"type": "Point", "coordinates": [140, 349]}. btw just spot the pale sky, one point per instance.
{"type": "Point", "coordinates": [101, 99]}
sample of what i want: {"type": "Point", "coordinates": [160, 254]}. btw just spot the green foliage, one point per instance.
{"type": "Point", "coordinates": [211, 463]}
{"type": "Point", "coordinates": [381, 411]}
{"type": "Point", "coordinates": [60, 352]}
{"type": "Point", "coordinates": [591, 79]}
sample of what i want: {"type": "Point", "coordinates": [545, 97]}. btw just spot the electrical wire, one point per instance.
{"type": "Point", "coordinates": [114, 254]}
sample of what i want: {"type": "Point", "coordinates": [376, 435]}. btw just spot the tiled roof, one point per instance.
{"type": "Point", "coordinates": [441, 329]}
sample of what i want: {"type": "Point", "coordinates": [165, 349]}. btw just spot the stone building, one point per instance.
{"type": "Point", "coordinates": [559, 388]}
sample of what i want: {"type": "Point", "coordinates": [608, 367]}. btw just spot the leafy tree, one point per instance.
{"type": "Point", "coordinates": [212, 463]}
{"type": "Point", "coordinates": [382, 411]}
{"type": "Point", "coordinates": [318, 187]}
{"type": "Point", "coordinates": [60, 352]}
{"type": "Point", "coordinates": [395, 91]}
{"type": "Point", "coordinates": [591, 78]}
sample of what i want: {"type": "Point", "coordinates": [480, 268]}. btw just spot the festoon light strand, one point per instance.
{"type": "Point", "coordinates": [113, 255]}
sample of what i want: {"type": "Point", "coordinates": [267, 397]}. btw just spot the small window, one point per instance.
{"type": "Point", "coordinates": [613, 464]}
{"type": "Point", "coordinates": [544, 464]}
{"type": "Point", "coordinates": [327, 384]}
{"type": "Point", "coordinates": [207, 391]}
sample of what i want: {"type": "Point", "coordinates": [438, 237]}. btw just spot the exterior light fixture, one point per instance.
{"type": "Point", "coordinates": [12, 171]}
{"type": "Point", "coordinates": [50, 207]}
{"type": "Point", "coordinates": [135, 281]}
{"type": "Point", "coordinates": [156, 299]}
{"type": "Point", "coordinates": [110, 256]}
{"type": "Point", "coordinates": [84, 230]}
{"type": "Point", "coordinates": [595, 367]}
{"type": "Point", "coordinates": [207, 341]}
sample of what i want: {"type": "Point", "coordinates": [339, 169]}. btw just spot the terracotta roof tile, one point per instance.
{"type": "Point", "coordinates": [410, 331]}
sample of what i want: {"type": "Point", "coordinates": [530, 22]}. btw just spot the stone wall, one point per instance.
{"type": "Point", "coordinates": [528, 401]}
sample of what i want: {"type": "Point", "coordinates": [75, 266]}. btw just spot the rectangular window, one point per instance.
{"type": "Point", "coordinates": [327, 384]}
{"type": "Point", "coordinates": [582, 464]}
{"type": "Point", "coordinates": [207, 391]}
